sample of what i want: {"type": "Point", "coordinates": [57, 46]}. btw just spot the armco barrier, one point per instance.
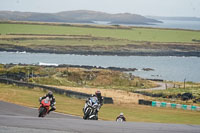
{"type": "Point", "coordinates": [169, 105]}
{"type": "Point", "coordinates": [69, 93]}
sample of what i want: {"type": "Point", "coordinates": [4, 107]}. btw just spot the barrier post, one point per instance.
{"type": "Point", "coordinates": [163, 104]}
{"type": "Point", "coordinates": [173, 105]}
{"type": "Point", "coordinates": [194, 108]}
{"type": "Point", "coordinates": [184, 107]}
{"type": "Point", "coordinates": [153, 104]}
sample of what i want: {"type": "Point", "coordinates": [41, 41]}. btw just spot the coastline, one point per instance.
{"type": "Point", "coordinates": [172, 68]}
{"type": "Point", "coordinates": [109, 53]}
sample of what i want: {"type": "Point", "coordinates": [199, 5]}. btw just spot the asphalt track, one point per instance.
{"type": "Point", "coordinates": [19, 119]}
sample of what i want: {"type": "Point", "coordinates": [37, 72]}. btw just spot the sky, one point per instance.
{"type": "Point", "coordinates": [189, 8]}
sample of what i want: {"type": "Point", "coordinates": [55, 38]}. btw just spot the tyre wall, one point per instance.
{"type": "Point", "coordinates": [168, 105]}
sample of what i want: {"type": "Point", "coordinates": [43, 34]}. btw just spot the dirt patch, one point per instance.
{"type": "Point", "coordinates": [119, 96]}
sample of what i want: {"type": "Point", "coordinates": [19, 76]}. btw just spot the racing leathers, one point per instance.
{"type": "Point", "coordinates": [121, 117]}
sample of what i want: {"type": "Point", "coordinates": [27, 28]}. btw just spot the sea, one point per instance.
{"type": "Point", "coordinates": [169, 68]}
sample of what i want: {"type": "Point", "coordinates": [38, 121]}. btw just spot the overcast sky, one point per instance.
{"type": "Point", "coordinates": [142, 7]}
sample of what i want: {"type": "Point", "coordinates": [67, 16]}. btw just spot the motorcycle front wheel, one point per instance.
{"type": "Point", "coordinates": [87, 113]}
{"type": "Point", "coordinates": [42, 112]}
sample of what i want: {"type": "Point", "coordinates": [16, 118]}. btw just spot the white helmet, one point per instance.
{"type": "Point", "coordinates": [121, 113]}
{"type": "Point", "coordinates": [47, 98]}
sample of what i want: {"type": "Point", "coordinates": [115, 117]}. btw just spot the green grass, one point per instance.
{"type": "Point", "coordinates": [65, 42]}
{"type": "Point", "coordinates": [29, 97]}
{"type": "Point", "coordinates": [135, 34]}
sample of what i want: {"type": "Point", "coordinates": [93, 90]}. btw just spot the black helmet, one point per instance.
{"type": "Point", "coordinates": [50, 94]}
{"type": "Point", "coordinates": [98, 94]}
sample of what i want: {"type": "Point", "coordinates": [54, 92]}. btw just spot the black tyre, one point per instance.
{"type": "Point", "coordinates": [87, 113]}
{"type": "Point", "coordinates": [94, 118]}
{"type": "Point", "coordinates": [42, 111]}
{"type": "Point", "coordinates": [119, 120]}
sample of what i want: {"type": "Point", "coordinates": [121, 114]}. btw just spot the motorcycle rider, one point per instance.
{"type": "Point", "coordinates": [99, 97]}
{"type": "Point", "coordinates": [100, 101]}
{"type": "Point", "coordinates": [52, 101]}
{"type": "Point", "coordinates": [121, 116]}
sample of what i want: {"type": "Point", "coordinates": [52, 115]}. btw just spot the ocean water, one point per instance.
{"type": "Point", "coordinates": [165, 67]}
{"type": "Point", "coordinates": [175, 24]}
{"type": "Point", "coordinates": [191, 25]}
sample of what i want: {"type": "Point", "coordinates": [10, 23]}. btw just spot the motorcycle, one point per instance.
{"type": "Point", "coordinates": [120, 120]}
{"type": "Point", "coordinates": [44, 107]}
{"type": "Point", "coordinates": [91, 109]}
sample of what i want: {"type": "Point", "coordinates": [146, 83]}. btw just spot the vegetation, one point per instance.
{"type": "Point", "coordinates": [94, 39]}
{"type": "Point", "coordinates": [66, 77]}
{"type": "Point", "coordinates": [76, 77]}
{"type": "Point", "coordinates": [134, 34]}
{"type": "Point", "coordinates": [29, 97]}
{"type": "Point", "coordinates": [174, 94]}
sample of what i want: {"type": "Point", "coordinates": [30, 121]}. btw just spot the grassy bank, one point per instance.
{"type": "Point", "coordinates": [75, 77]}
{"type": "Point", "coordinates": [29, 97]}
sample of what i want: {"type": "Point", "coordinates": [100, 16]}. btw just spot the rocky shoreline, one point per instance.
{"type": "Point", "coordinates": [122, 69]}
{"type": "Point", "coordinates": [102, 52]}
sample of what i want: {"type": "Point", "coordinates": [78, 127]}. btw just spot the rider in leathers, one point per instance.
{"type": "Point", "coordinates": [52, 100]}
{"type": "Point", "coordinates": [121, 116]}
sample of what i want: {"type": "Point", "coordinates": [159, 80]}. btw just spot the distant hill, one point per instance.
{"type": "Point", "coordinates": [77, 16]}
{"type": "Point", "coordinates": [175, 18]}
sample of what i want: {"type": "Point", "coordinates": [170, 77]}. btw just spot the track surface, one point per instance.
{"type": "Point", "coordinates": [18, 119]}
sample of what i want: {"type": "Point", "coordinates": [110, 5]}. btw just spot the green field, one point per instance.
{"type": "Point", "coordinates": [134, 34]}
{"type": "Point", "coordinates": [29, 97]}
{"type": "Point", "coordinates": [99, 40]}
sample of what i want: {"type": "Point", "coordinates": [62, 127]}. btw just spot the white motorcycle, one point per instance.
{"type": "Point", "coordinates": [90, 110]}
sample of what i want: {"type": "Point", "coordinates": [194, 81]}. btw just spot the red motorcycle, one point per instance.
{"type": "Point", "coordinates": [44, 107]}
